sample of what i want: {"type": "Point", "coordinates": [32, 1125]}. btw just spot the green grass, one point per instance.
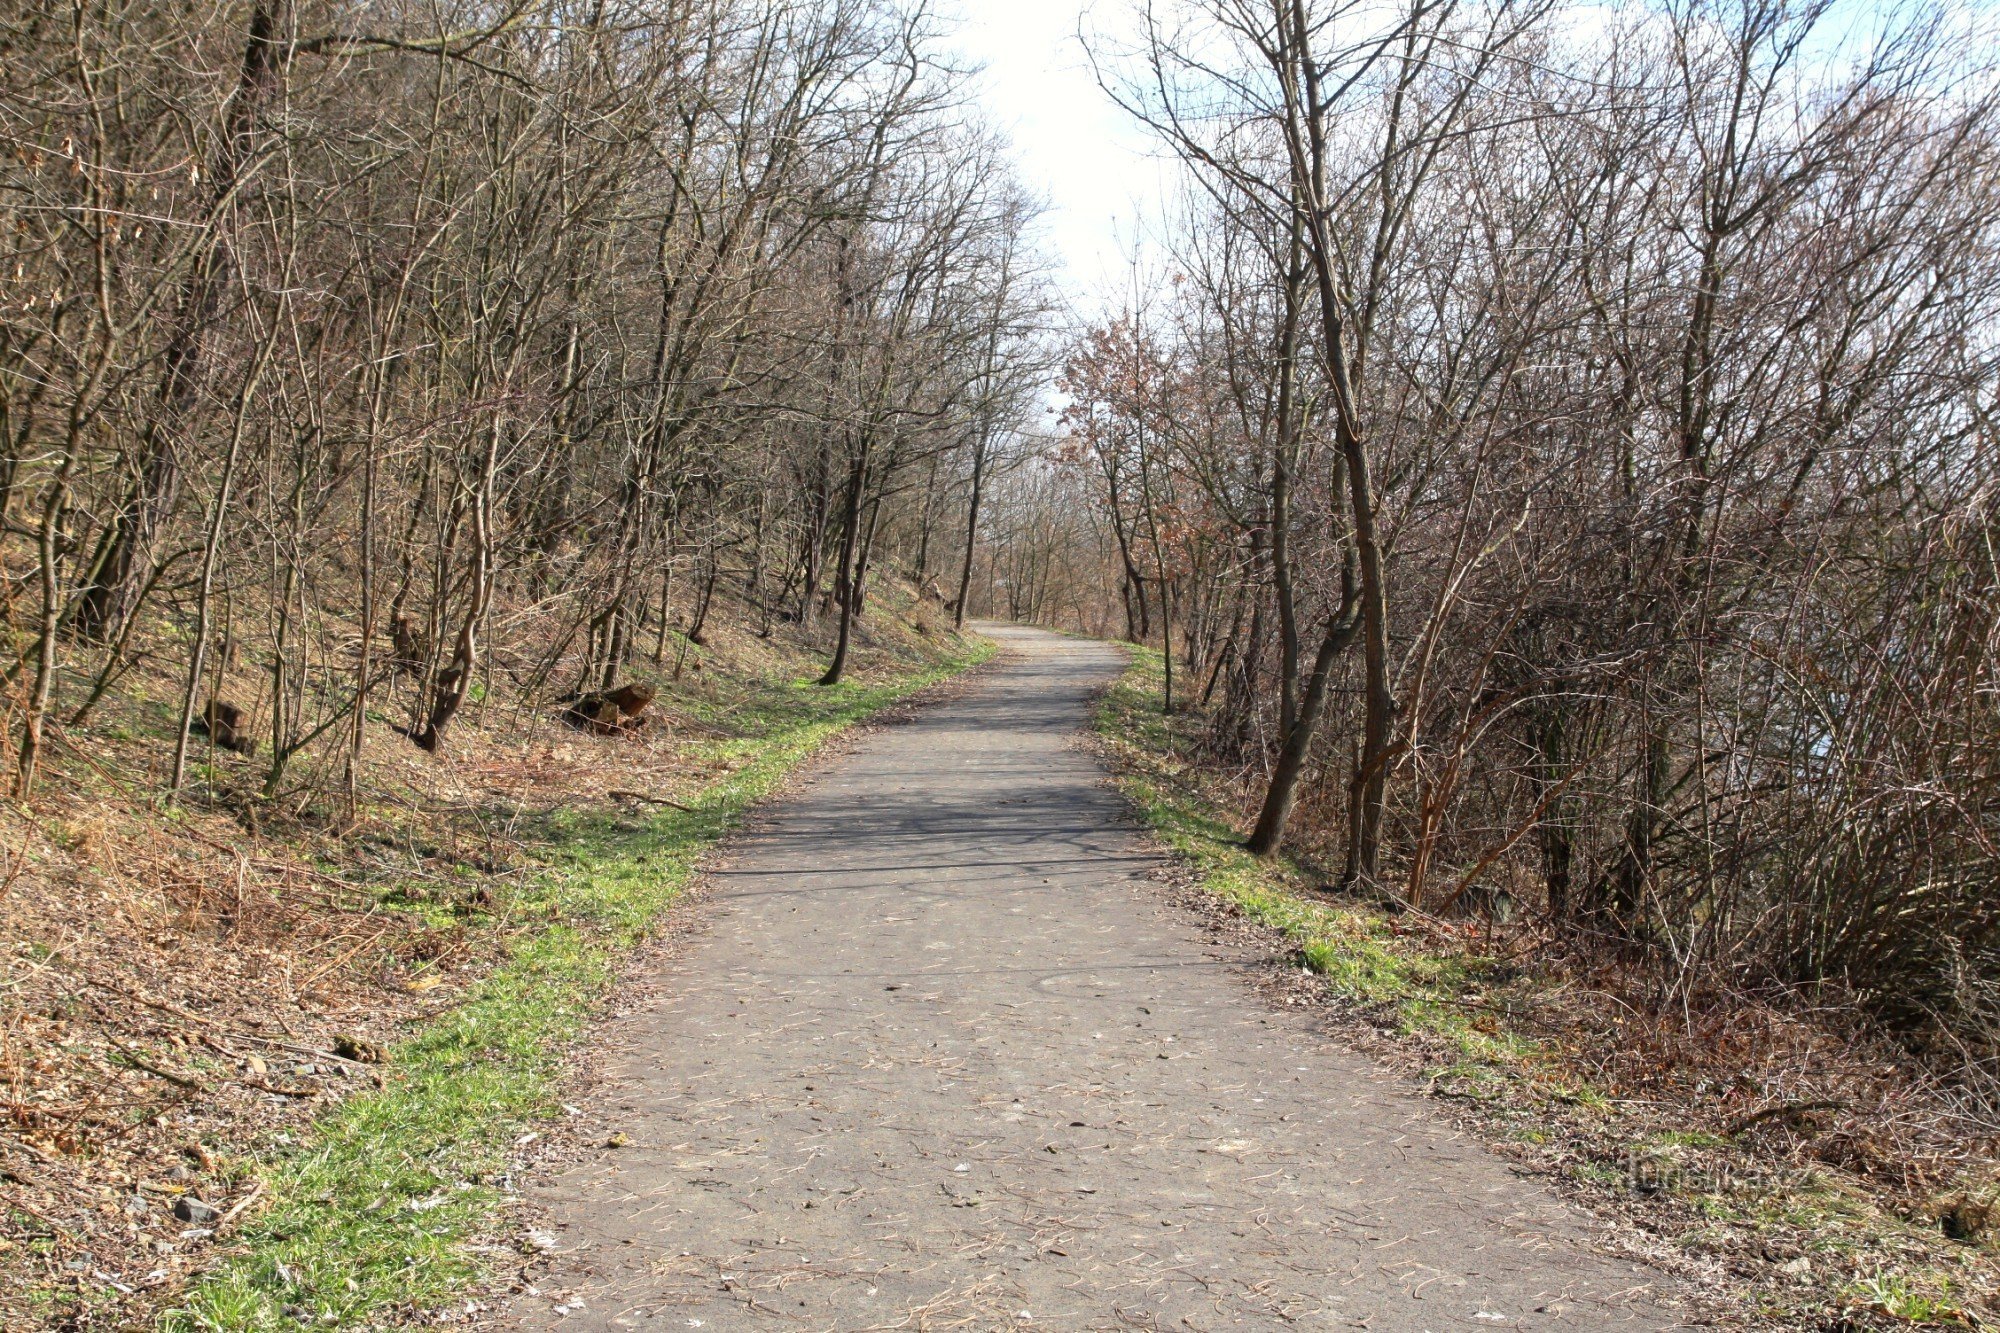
{"type": "Point", "coordinates": [1356, 949]}
{"type": "Point", "coordinates": [1917, 1302]}
{"type": "Point", "coordinates": [374, 1217]}
{"type": "Point", "coordinates": [1365, 957]}
{"type": "Point", "coordinates": [1445, 993]}
{"type": "Point", "coordinates": [1422, 989]}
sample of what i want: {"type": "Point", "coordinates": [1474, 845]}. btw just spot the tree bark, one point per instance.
{"type": "Point", "coordinates": [1269, 835]}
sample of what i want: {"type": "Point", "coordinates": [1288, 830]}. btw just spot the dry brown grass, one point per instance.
{"type": "Point", "coordinates": [182, 987]}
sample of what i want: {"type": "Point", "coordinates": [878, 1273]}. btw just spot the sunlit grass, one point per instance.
{"type": "Point", "coordinates": [1354, 948]}
{"type": "Point", "coordinates": [374, 1215]}
{"type": "Point", "coordinates": [1441, 994]}
{"type": "Point", "coordinates": [1914, 1301]}
{"type": "Point", "coordinates": [1366, 960]}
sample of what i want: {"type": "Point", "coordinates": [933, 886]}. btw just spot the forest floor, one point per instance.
{"type": "Point", "coordinates": [1793, 1168]}
{"type": "Point", "coordinates": [263, 1061]}
{"type": "Point", "coordinates": [938, 1047]}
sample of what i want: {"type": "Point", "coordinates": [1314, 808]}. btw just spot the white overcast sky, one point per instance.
{"type": "Point", "coordinates": [1072, 146]}
{"type": "Point", "coordinates": [1098, 173]}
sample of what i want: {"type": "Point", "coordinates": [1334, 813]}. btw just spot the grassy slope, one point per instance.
{"type": "Point", "coordinates": [374, 1216]}
{"type": "Point", "coordinates": [1361, 953]}
{"type": "Point", "coordinates": [1451, 1004]}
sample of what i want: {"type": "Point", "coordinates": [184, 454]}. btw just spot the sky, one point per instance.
{"type": "Point", "coordinates": [1097, 172]}
{"type": "Point", "coordinates": [1072, 145]}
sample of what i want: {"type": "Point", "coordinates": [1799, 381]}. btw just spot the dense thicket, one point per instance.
{"type": "Point", "coordinates": [1561, 456]}
{"type": "Point", "coordinates": [349, 341]}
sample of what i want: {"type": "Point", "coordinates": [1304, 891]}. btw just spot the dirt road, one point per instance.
{"type": "Point", "coordinates": [942, 1057]}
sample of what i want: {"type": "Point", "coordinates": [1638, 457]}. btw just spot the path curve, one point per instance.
{"type": "Point", "coordinates": [943, 1056]}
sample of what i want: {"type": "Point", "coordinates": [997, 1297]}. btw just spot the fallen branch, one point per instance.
{"type": "Point", "coordinates": [189, 1082]}
{"type": "Point", "coordinates": [161, 1006]}
{"type": "Point", "coordinates": [14, 1201]}
{"type": "Point", "coordinates": [650, 800]}
{"type": "Point", "coordinates": [263, 1085]}
{"type": "Point", "coordinates": [310, 981]}
{"type": "Point", "coordinates": [236, 1210]}
{"type": "Point", "coordinates": [1784, 1110]}
{"type": "Point", "coordinates": [295, 1049]}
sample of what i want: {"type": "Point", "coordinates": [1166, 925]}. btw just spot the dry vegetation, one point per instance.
{"type": "Point", "coordinates": [1559, 462]}
{"type": "Point", "coordinates": [1557, 456]}
{"type": "Point", "coordinates": [378, 384]}
{"type": "Point", "coordinates": [185, 994]}
{"type": "Point", "coordinates": [1785, 1155]}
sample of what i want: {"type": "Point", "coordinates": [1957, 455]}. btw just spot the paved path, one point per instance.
{"type": "Point", "coordinates": [942, 1057]}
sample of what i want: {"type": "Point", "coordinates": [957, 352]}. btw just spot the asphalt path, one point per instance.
{"type": "Point", "coordinates": [942, 1053]}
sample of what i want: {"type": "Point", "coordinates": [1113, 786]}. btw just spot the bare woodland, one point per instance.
{"type": "Point", "coordinates": [1559, 458]}
{"type": "Point", "coordinates": [1554, 449]}
{"type": "Point", "coordinates": [372, 340]}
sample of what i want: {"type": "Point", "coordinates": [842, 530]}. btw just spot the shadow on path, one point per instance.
{"type": "Point", "coordinates": [944, 1058]}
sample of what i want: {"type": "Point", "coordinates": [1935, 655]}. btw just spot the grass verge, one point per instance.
{"type": "Point", "coordinates": [374, 1217]}
{"type": "Point", "coordinates": [1362, 954]}
{"type": "Point", "coordinates": [1801, 1246]}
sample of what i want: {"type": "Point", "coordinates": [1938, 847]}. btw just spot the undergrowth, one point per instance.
{"type": "Point", "coordinates": [1810, 1246]}
{"type": "Point", "coordinates": [374, 1216]}
{"type": "Point", "coordinates": [1364, 955]}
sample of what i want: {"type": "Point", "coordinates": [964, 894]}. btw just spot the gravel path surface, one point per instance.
{"type": "Point", "coordinates": [941, 1055]}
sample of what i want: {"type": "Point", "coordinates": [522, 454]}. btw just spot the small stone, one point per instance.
{"type": "Point", "coordinates": [193, 1211]}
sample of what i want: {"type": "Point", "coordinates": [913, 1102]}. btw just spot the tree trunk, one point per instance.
{"type": "Point", "coordinates": [133, 531]}
{"type": "Point", "coordinates": [971, 531]}
{"type": "Point", "coordinates": [850, 535]}
{"type": "Point", "coordinates": [1269, 835]}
